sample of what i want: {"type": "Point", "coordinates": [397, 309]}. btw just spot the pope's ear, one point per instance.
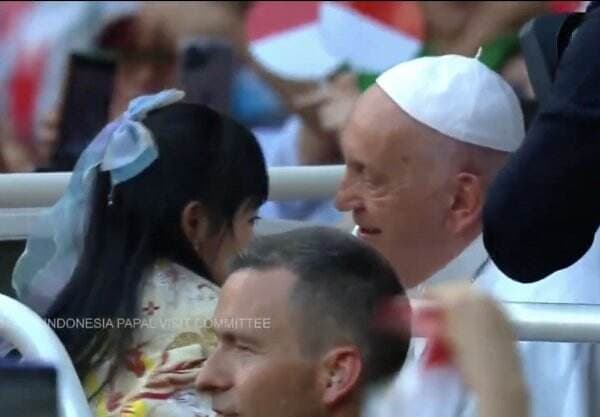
{"type": "Point", "coordinates": [467, 202]}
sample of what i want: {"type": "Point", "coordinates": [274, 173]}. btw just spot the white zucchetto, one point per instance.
{"type": "Point", "coordinates": [459, 97]}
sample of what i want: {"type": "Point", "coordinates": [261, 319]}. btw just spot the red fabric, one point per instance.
{"type": "Point", "coordinates": [134, 362]}
{"type": "Point", "coordinates": [271, 17]}
{"type": "Point", "coordinates": [427, 321]}
{"type": "Point", "coordinates": [565, 6]}
{"type": "Point", "coordinates": [437, 353]}
{"type": "Point", "coordinates": [405, 16]}
{"type": "Point", "coordinates": [23, 89]}
{"type": "Point", "coordinates": [10, 13]}
{"type": "Point", "coordinates": [24, 80]}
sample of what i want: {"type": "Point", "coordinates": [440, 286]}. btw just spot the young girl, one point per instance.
{"type": "Point", "coordinates": [156, 205]}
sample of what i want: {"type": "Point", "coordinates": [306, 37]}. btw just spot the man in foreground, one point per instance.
{"type": "Point", "coordinates": [320, 289]}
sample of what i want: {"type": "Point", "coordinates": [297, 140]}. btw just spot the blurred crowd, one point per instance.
{"type": "Point", "coordinates": [36, 39]}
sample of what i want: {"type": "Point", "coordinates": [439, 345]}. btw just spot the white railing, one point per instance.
{"type": "Point", "coordinates": [286, 183]}
{"type": "Point", "coordinates": [22, 196]}
{"type": "Point", "coordinates": [578, 323]}
{"type": "Point", "coordinates": [35, 340]}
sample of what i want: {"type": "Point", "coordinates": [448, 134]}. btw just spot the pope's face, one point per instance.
{"type": "Point", "coordinates": [394, 183]}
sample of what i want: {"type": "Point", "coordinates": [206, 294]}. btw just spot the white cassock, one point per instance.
{"type": "Point", "coordinates": [432, 393]}
{"type": "Point", "coordinates": [563, 378]}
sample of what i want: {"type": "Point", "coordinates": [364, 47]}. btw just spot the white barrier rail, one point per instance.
{"type": "Point", "coordinates": [16, 224]}
{"type": "Point", "coordinates": [286, 183]}
{"type": "Point", "coordinates": [578, 323]}
{"type": "Point", "coordinates": [22, 196]}
{"type": "Point", "coordinates": [25, 330]}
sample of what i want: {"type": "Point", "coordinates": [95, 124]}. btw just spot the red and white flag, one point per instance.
{"type": "Point", "coordinates": [372, 36]}
{"type": "Point", "coordinates": [310, 40]}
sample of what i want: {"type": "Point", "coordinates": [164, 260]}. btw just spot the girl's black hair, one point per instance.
{"type": "Point", "coordinates": [203, 156]}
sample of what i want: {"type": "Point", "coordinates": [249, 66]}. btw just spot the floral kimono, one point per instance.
{"type": "Point", "coordinates": [172, 338]}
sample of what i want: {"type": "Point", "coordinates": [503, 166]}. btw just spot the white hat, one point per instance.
{"type": "Point", "coordinates": [459, 97]}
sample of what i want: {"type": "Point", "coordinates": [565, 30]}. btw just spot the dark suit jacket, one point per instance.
{"type": "Point", "coordinates": [544, 208]}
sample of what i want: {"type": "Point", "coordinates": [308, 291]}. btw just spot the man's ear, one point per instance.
{"type": "Point", "coordinates": [340, 372]}
{"type": "Point", "coordinates": [466, 203]}
{"type": "Point", "coordinates": [194, 223]}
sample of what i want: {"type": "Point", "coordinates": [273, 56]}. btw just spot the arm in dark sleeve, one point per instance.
{"type": "Point", "coordinates": [543, 209]}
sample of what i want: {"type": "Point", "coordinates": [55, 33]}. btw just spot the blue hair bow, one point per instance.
{"type": "Point", "coordinates": [130, 147]}
{"type": "Point", "coordinates": [124, 148]}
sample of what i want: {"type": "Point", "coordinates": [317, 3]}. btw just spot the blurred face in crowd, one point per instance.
{"type": "Point", "coordinates": [448, 17]}
{"type": "Point", "coordinates": [259, 370]}
{"type": "Point", "coordinates": [146, 66]}
{"type": "Point", "coordinates": [326, 104]}
{"type": "Point", "coordinates": [148, 63]}
{"type": "Point", "coordinates": [396, 185]}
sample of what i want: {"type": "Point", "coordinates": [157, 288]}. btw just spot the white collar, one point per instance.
{"type": "Point", "coordinates": [467, 265]}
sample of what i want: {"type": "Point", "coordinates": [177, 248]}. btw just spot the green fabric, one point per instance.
{"type": "Point", "coordinates": [494, 54]}
{"type": "Point", "coordinates": [365, 80]}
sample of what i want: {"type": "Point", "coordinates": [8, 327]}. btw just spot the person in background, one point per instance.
{"type": "Point", "coordinates": [463, 27]}
{"type": "Point", "coordinates": [157, 203]}
{"type": "Point", "coordinates": [34, 47]}
{"type": "Point", "coordinates": [146, 37]}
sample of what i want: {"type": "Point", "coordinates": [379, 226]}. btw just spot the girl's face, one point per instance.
{"type": "Point", "coordinates": [223, 246]}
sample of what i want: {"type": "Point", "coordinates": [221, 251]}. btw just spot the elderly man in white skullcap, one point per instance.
{"type": "Point", "coordinates": [421, 150]}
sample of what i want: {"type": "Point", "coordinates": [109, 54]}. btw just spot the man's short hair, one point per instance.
{"type": "Point", "coordinates": [341, 283]}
